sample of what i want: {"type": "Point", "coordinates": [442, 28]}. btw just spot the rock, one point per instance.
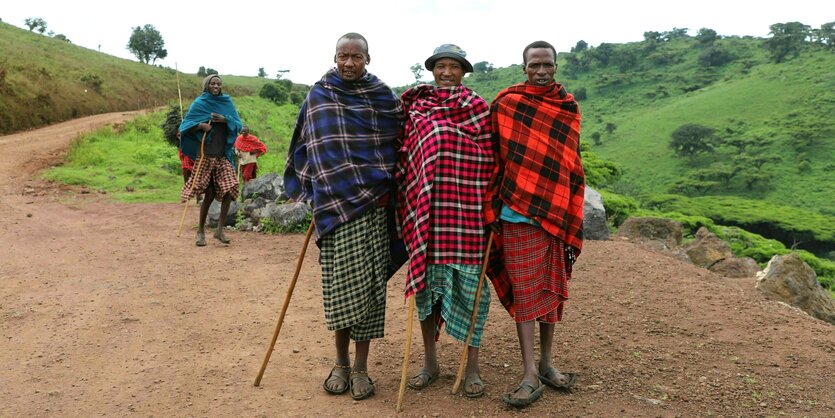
{"type": "Point", "coordinates": [736, 267]}
{"type": "Point", "coordinates": [789, 279]}
{"type": "Point", "coordinates": [642, 230]}
{"type": "Point", "coordinates": [594, 216]}
{"type": "Point", "coordinates": [214, 214]}
{"type": "Point", "coordinates": [707, 249]}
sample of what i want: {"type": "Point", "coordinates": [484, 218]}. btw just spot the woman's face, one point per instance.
{"type": "Point", "coordinates": [447, 72]}
{"type": "Point", "coordinates": [351, 59]}
{"type": "Point", "coordinates": [215, 86]}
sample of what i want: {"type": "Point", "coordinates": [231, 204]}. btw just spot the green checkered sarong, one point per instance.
{"type": "Point", "coordinates": [354, 259]}
{"type": "Point", "coordinates": [454, 287]}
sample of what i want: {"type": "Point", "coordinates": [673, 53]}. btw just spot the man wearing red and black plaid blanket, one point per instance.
{"type": "Point", "coordinates": [535, 201]}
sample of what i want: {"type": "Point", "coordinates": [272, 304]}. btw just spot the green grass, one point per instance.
{"type": "Point", "coordinates": [136, 164]}
{"type": "Point", "coordinates": [45, 80]}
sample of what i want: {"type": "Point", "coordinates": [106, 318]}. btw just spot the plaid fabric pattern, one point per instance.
{"type": "Point", "coordinates": [443, 169]}
{"type": "Point", "coordinates": [343, 150]}
{"type": "Point", "coordinates": [355, 260]}
{"type": "Point", "coordinates": [250, 143]}
{"type": "Point", "coordinates": [454, 287]}
{"type": "Point", "coordinates": [539, 174]}
{"type": "Point", "coordinates": [216, 172]}
{"type": "Point", "coordinates": [187, 163]}
{"type": "Point", "coordinates": [538, 270]}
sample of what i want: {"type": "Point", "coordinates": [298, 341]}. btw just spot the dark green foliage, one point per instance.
{"type": "Point", "coordinates": [261, 72]}
{"type": "Point", "coordinates": [692, 139]}
{"type": "Point", "coordinates": [579, 93]}
{"type": "Point", "coordinates": [706, 37]}
{"type": "Point", "coordinates": [147, 44]}
{"type": "Point", "coordinates": [93, 80]}
{"type": "Point", "coordinates": [618, 207]}
{"type": "Point", "coordinates": [35, 23]}
{"type": "Point", "coordinates": [417, 71]}
{"type": "Point", "coordinates": [204, 71]}
{"type": "Point", "coordinates": [580, 46]}
{"type": "Point", "coordinates": [62, 37]}
{"type": "Point", "coordinates": [275, 93]}
{"type": "Point", "coordinates": [787, 39]}
{"type": "Point", "coordinates": [482, 67]}
{"type": "Point", "coordinates": [715, 56]}
{"type": "Point", "coordinates": [171, 125]}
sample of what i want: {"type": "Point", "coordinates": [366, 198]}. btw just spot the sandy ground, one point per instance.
{"type": "Point", "coordinates": [104, 311]}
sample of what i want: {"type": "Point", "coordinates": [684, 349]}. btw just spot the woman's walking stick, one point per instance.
{"type": "Point", "coordinates": [406, 353]}
{"type": "Point", "coordinates": [286, 304]}
{"type": "Point", "coordinates": [475, 315]}
{"type": "Point", "coordinates": [193, 180]}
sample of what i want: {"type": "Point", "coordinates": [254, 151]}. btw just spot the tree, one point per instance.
{"type": "Point", "coordinates": [147, 44]}
{"type": "Point", "coordinates": [787, 38]}
{"type": "Point", "coordinates": [715, 56]}
{"type": "Point", "coordinates": [706, 36]}
{"type": "Point", "coordinates": [417, 71]}
{"type": "Point", "coordinates": [482, 67]}
{"type": "Point", "coordinates": [261, 72]}
{"type": "Point", "coordinates": [596, 138]}
{"type": "Point", "coordinates": [580, 46]}
{"type": "Point", "coordinates": [275, 92]}
{"type": "Point", "coordinates": [35, 23]}
{"type": "Point", "coordinates": [692, 139]}
{"type": "Point", "coordinates": [62, 37]}
{"type": "Point", "coordinates": [610, 128]}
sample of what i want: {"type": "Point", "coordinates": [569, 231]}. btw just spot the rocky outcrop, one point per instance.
{"type": "Point", "coordinates": [707, 249]}
{"type": "Point", "coordinates": [739, 268]}
{"type": "Point", "coordinates": [594, 216]}
{"type": "Point", "coordinates": [789, 279]}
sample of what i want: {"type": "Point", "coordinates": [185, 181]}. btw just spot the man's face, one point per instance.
{"type": "Point", "coordinates": [447, 72]}
{"type": "Point", "coordinates": [540, 67]}
{"type": "Point", "coordinates": [215, 86]}
{"type": "Point", "coordinates": [245, 131]}
{"type": "Point", "coordinates": [351, 59]}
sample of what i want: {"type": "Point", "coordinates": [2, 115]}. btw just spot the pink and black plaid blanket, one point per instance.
{"type": "Point", "coordinates": [443, 170]}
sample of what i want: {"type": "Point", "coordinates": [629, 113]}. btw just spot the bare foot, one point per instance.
{"type": "Point", "coordinates": [221, 237]}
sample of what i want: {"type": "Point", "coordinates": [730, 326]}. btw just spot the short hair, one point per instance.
{"type": "Point", "coordinates": [354, 36]}
{"type": "Point", "coordinates": [537, 44]}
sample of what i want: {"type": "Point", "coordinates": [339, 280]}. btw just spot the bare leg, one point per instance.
{"type": "Point", "coordinates": [525, 331]}
{"type": "Point", "coordinates": [204, 212]}
{"type": "Point", "coordinates": [431, 369]}
{"type": "Point", "coordinates": [224, 210]}
{"type": "Point", "coordinates": [337, 382]}
{"type": "Point", "coordinates": [473, 386]}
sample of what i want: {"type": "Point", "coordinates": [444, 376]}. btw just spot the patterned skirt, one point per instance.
{"type": "Point", "coordinates": [538, 271]}
{"type": "Point", "coordinates": [453, 286]}
{"type": "Point", "coordinates": [355, 259]}
{"type": "Point", "coordinates": [215, 172]}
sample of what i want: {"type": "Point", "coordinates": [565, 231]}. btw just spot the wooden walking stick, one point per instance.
{"type": "Point", "coordinates": [179, 92]}
{"type": "Point", "coordinates": [475, 316]}
{"type": "Point", "coordinates": [193, 180]}
{"type": "Point", "coordinates": [286, 304]}
{"type": "Point", "coordinates": [406, 353]}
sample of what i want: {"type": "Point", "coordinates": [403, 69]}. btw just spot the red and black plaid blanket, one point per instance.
{"type": "Point", "coordinates": [539, 173]}
{"type": "Point", "coordinates": [444, 167]}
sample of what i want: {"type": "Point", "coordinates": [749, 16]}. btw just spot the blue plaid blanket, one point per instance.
{"type": "Point", "coordinates": [344, 146]}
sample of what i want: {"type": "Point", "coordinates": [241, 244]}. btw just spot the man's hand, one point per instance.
{"type": "Point", "coordinates": [218, 118]}
{"type": "Point", "coordinates": [496, 227]}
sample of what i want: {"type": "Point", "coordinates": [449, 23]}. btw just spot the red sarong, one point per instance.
{"type": "Point", "coordinates": [539, 172]}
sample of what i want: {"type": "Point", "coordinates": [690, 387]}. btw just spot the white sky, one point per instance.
{"type": "Point", "coordinates": [237, 37]}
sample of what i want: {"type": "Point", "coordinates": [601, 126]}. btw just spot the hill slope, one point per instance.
{"type": "Point", "coordinates": [45, 80]}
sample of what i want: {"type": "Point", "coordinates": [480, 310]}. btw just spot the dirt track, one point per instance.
{"type": "Point", "coordinates": [104, 311]}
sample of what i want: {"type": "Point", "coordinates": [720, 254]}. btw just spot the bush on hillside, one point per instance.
{"type": "Point", "coordinates": [171, 125]}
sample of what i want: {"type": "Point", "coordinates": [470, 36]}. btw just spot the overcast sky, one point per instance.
{"type": "Point", "coordinates": [237, 37]}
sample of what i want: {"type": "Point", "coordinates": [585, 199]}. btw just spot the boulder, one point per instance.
{"type": "Point", "coordinates": [594, 216]}
{"type": "Point", "coordinates": [788, 279]}
{"type": "Point", "coordinates": [736, 267]}
{"type": "Point", "coordinates": [214, 214]}
{"type": "Point", "coordinates": [269, 186]}
{"type": "Point", "coordinates": [642, 230]}
{"type": "Point", "coordinates": [707, 249]}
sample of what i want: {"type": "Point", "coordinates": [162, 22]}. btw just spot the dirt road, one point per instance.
{"type": "Point", "coordinates": [104, 311]}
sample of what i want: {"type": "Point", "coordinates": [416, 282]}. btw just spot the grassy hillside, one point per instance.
{"type": "Point", "coordinates": [634, 96]}
{"type": "Point", "coordinates": [45, 80]}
